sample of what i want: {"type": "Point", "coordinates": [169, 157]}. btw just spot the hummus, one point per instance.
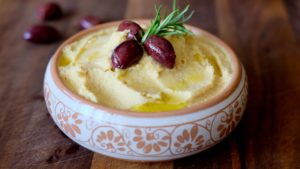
{"type": "Point", "coordinates": [202, 70]}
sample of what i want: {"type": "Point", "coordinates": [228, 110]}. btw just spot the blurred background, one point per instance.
{"type": "Point", "coordinates": [265, 34]}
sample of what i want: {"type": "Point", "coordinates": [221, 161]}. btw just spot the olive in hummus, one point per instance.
{"type": "Point", "coordinates": [202, 70]}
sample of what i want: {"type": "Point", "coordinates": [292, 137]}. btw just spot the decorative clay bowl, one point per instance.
{"type": "Point", "coordinates": [136, 136]}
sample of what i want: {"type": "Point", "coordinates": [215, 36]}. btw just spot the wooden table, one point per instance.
{"type": "Point", "coordinates": [264, 34]}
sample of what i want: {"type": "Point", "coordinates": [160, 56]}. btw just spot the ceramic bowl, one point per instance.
{"type": "Point", "coordinates": [145, 136]}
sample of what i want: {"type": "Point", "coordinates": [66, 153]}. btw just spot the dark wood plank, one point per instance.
{"type": "Point", "coordinates": [262, 36]}
{"type": "Point", "coordinates": [102, 162]}
{"type": "Point", "coordinates": [204, 16]}
{"type": "Point", "coordinates": [28, 136]}
{"type": "Point", "coordinates": [293, 8]}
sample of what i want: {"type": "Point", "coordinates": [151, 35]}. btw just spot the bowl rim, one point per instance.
{"type": "Point", "coordinates": [225, 93]}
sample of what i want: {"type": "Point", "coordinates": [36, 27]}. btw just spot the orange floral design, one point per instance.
{"type": "Point", "coordinates": [230, 122]}
{"type": "Point", "coordinates": [69, 123]}
{"type": "Point", "coordinates": [149, 142]}
{"type": "Point", "coordinates": [190, 140]}
{"type": "Point", "coordinates": [111, 141]}
{"type": "Point", "coordinates": [143, 141]}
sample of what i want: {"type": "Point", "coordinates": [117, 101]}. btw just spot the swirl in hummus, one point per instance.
{"type": "Point", "coordinates": [202, 70]}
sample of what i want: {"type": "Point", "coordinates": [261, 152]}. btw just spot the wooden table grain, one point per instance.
{"type": "Point", "coordinates": [264, 33]}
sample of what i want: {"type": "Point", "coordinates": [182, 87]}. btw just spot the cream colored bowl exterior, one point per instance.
{"type": "Point", "coordinates": [140, 137]}
{"type": "Point", "coordinates": [143, 138]}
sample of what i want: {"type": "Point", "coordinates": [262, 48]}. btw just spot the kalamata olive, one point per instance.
{"type": "Point", "coordinates": [135, 30]}
{"type": "Point", "coordinates": [161, 50]}
{"type": "Point", "coordinates": [49, 11]}
{"type": "Point", "coordinates": [126, 54]}
{"type": "Point", "coordinates": [89, 21]}
{"type": "Point", "coordinates": [41, 34]}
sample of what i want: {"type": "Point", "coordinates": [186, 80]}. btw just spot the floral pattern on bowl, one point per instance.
{"type": "Point", "coordinates": [143, 137]}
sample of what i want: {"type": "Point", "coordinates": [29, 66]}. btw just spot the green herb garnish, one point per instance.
{"type": "Point", "coordinates": [169, 25]}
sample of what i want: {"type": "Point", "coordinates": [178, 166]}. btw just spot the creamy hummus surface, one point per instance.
{"type": "Point", "coordinates": [202, 70]}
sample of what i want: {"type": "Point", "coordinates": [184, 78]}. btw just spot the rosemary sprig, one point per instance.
{"type": "Point", "coordinates": [169, 25]}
